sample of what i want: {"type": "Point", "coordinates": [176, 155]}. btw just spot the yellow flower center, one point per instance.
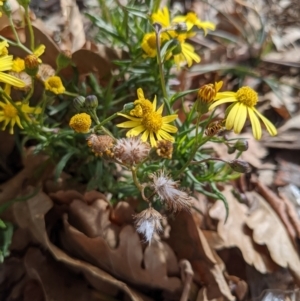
{"type": "Point", "coordinates": [18, 65]}
{"type": "Point", "coordinates": [142, 107]}
{"type": "Point", "coordinates": [247, 96]}
{"type": "Point", "coordinates": [54, 82]}
{"type": "Point", "coordinates": [81, 123]}
{"type": "Point", "coordinates": [152, 122]}
{"type": "Point", "coordinates": [10, 111]}
{"type": "Point", "coordinates": [152, 41]}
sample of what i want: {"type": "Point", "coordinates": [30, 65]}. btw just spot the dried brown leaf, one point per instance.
{"type": "Point", "coordinates": [268, 230]}
{"type": "Point", "coordinates": [30, 215]}
{"type": "Point", "coordinates": [188, 242]}
{"type": "Point", "coordinates": [233, 233]}
{"type": "Point", "coordinates": [125, 261]}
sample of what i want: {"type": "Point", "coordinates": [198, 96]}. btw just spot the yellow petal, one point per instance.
{"type": "Point", "coordinates": [169, 118]}
{"type": "Point", "coordinates": [6, 62]}
{"type": "Point", "coordinates": [221, 101]}
{"type": "Point", "coordinates": [136, 131]}
{"type": "Point", "coordinates": [152, 140]}
{"type": "Point", "coordinates": [166, 136]}
{"type": "Point", "coordinates": [269, 125]}
{"type": "Point", "coordinates": [154, 104]}
{"type": "Point", "coordinates": [169, 128]}
{"type": "Point", "coordinates": [145, 136]}
{"type": "Point", "coordinates": [256, 127]}
{"type": "Point", "coordinates": [226, 94]}
{"type": "Point", "coordinates": [129, 117]}
{"type": "Point", "coordinates": [40, 50]}
{"type": "Point", "coordinates": [140, 93]}
{"type": "Point", "coordinates": [9, 79]}
{"type": "Point", "coordinates": [231, 116]}
{"type": "Point", "coordinates": [128, 124]}
{"type": "Point", "coordinates": [240, 118]}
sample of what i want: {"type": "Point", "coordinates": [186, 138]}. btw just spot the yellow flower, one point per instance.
{"type": "Point", "coordinates": [54, 84]}
{"type": "Point", "coordinates": [151, 125]}
{"type": "Point", "coordinates": [186, 55]}
{"type": "Point", "coordinates": [162, 17]}
{"type": "Point", "coordinates": [18, 65]}
{"type": "Point", "coordinates": [39, 51]}
{"type": "Point", "coordinates": [6, 63]}
{"type": "Point", "coordinates": [149, 44]}
{"type": "Point", "coordinates": [207, 93]}
{"type": "Point", "coordinates": [142, 105]}
{"type": "Point", "coordinates": [3, 48]}
{"type": "Point", "coordinates": [192, 20]}
{"type": "Point", "coordinates": [244, 101]}
{"type": "Point", "coordinates": [10, 115]}
{"type": "Point", "coordinates": [81, 123]}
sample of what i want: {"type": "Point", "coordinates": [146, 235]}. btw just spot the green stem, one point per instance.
{"type": "Point", "coordinates": [106, 120]}
{"type": "Point", "coordinates": [206, 160]}
{"type": "Point", "coordinates": [16, 44]}
{"type": "Point", "coordinates": [11, 23]}
{"type": "Point", "coordinates": [70, 94]}
{"type": "Point", "coordinates": [161, 70]}
{"type": "Point", "coordinates": [32, 46]}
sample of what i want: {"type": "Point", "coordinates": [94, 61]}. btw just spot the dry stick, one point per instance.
{"type": "Point", "coordinates": [187, 275]}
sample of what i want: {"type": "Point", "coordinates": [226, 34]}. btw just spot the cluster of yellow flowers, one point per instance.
{"type": "Point", "coordinates": [19, 73]}
{"type": "Point", "coordinates": [243, 106]}
{"type": "Point", "coordinates": [178, 30]}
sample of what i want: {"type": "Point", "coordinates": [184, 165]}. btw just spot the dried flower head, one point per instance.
{"type": "Point", "coordinates": [45, 71]}
{"type": "Point", "coordinates": [240, 166]}
{"type": "Point", "coordinates": [164, 149]}
{"type": "Point", "coordinates": [131, 150]}
{"type": "Point", "coordinates": [23, 76]}
{"type": "Point", "coordinates": [167, 190]}
{"type": "Point", "coordinates": [148, 222]}
{"type": "Point", "coordinates": [101, 145]}
{"type": "Point", "coordinates": [81, 123]}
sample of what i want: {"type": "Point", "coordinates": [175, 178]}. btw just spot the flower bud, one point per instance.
{"type": "Point", "coordinates": [240, 166]}
{"type": "Point", "coordinates": [64, 59]}
{"type": "Point", "coordinates": [128, 107]}
{"type": "Point", "coordinates": [91, 102]}
{"type": "Point", "coordinates": [31, 64]}
{"type": "Point", "coordinates": [78, 102]}
{"type": "Point", "coordinates": [6, 8]}
{"type": "Point", "coordinates": [164, 149]}
{"type": "Point", "coordinates": [180, 27]}
{"type": "Point", "coordinates": [231, 150]}
{"type": "Point", "coordinates": [24, 3]}
{"type": "Point", "coordinates": [241, 145]}
{"type": "Point", "coordinates": [101, 145]}
{"type": "Point", "coordinates": [176, 47]}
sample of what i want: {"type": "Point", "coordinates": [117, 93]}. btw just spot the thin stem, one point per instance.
{"type": "Point", "coordinates": [206, 160]}
{"type": "Point", "coordinates": [135, 179]}
{"type": "Point", "coordinates": [11, 23]}
{"type": "Point", "coordinates": [160, 68]}
{"type": "Point", "coordinates": [107, 119]}
{"type": "Point", "coordinates": [70, 94]}
{"type": "Point", "coordinates": [32, 46]}
{"type": "Point", "coordinates": [20, 45]}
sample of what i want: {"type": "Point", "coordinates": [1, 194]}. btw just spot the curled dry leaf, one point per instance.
{"type": "Point", "coordinates": [233, 233]}
{"type": "Point", "coordinates": [125, 260]}
{"type": "Point", "coordinates": [56, 281]}
{"type": "Point", "coordinates": [188, 242]}
{"type": "Point", "coordinates": [30, 215]}
{"type": "Point", "coordinates": [268, 230]}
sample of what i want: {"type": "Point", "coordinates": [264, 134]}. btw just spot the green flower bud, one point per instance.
{"type": "Point", "coordinates": [24, 3]}
{"type": "Point", "coordinates": [64, 59]}
{"type": "Point", "coordinates": [180, 27]}
{"type": "Point", "coordinates": [79, 102]}
{"type": "Point", "coordinates": [230, 150]}
{"type": "Point", "coordinates": [240, 166]}
{"type": "Point", "coordinates": [91, 102]}
{"type": "Point", "coordinates": [241, 145]}
{"type": "Point", "coordinates": [31, 64]}
{"type": "Point", "coordinates": [128, 107]}
{"type": "Point", "coordinates": [177, 47]}
{"type": "Point", "coordinates": [6, 8]}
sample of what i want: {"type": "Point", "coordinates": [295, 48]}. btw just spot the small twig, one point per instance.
{"type": "Point", "coordinates": [187, 275]}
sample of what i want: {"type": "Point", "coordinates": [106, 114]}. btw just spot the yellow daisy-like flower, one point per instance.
{"type": "Point", "coordinates": [54, 84]}
{"type": "Point", "coordinates": [142, 105]}
{"type": "Point", "coordinates": [81, 123]}
{"type": "Point", "coordinates": [18, 65]}
{"type": "Point", "coordinates": [151, 125]}
{"type": "Point", "coordinates": [192, 20]}
{"type": "Point", "coordinates": [186, 55]}
{"type": "Point", "coordinates": [6, 63]}
{"type": "Point", "coordinates": [244, 101]}
{"type": "Point", "coordinates": [149, 44]}
{"type": "Point", "coordinates": [10, 115]}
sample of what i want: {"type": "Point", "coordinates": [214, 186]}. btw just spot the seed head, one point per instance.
{"type": "Point", "coordinates": [131, 150]}
{"type": "Point", "coordinates": [148, 222]}
{"type": "Point", "coordinates": [164, 149]}
{"type": "Point", "coordinates": [101, 145]}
